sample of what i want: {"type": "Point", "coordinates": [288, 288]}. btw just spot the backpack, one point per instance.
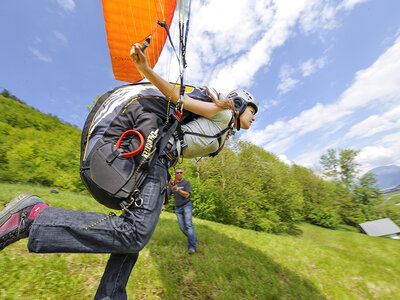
{"type": "Point", "coordinates": [124, 134]}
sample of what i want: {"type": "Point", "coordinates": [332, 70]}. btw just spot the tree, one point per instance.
{"type": "Point", "coordinates": [340, 166]}
{"type": "Point", "coordinates": [94, 101]}
{"type": "Point", "coordinates": [367, 195]}
{"type": "Point", "coordinates": [319, 198]}
{"type": "Point", "coordinates": [356, 201]}
{"type": "Point", "coordinates": [348, 166]}
{"type": "Point", "coordinates": [330, 164]}
{"type": "Point", "coordinates": [37, 148]}
{"type": "Point", "coordinates": [6, 93]}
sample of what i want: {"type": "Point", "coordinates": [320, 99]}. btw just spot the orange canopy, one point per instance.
{"type": "Point", "coordinates": [132, 21]}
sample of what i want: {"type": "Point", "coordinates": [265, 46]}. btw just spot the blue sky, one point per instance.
{"type": "Point", "coordinates": [326, 73]}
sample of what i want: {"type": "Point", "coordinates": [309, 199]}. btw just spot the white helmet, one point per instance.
{"type": "Point", "coordinates": [242, 98]}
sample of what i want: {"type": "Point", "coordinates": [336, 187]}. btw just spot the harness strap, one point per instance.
{"type": "Point", "coordinates": [218, 135]}
{"type": "Point", "coordinates": [219, 149]}
{"type": "Point", "coordinates": [179, 135]}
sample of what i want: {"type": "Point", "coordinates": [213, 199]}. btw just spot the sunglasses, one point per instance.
{"type": "Point", "coordinates": [178, 172]}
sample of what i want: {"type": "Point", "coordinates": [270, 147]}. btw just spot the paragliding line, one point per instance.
{"type": "Point", "coordinates": [183, 34]}
{"type": "Point", "coordinates": [165, 26]}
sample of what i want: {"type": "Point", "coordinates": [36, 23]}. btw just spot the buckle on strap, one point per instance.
{"type": "Point", "coordinates": [136, 199]}
{"type": "Point", "coordinates": [179, 108]}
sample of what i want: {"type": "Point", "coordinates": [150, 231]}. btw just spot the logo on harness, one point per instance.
{"type": "Point", "coordinates": [149, 143]}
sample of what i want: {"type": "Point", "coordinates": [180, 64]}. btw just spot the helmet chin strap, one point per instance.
{"type": "Point", "coordinates": [237, 120]}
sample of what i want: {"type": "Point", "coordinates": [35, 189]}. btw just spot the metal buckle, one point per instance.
{"type": "Point", "coordinates": [179, 105]}
{"type": "Point", "coordinates": [139, 202]}
{"type": "Point", "coordinates": [137, 198]}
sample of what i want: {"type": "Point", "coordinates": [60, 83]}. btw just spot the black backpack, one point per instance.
{"type": "Point", "coordinates": [124, 134]}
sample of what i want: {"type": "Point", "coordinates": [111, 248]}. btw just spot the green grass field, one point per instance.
{"type": "Point", "coordinates": [392, 202]}
{"type": "Point", "coordinates": [393, 197]}
{"type": "Point", "coordinates": [231, 263]}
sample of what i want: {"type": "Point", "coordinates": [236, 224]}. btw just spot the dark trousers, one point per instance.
{"type": "Point", "coordinates": [61, 230]}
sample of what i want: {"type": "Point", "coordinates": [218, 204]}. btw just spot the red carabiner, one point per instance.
{"type": "Point", "coordinates": [178, 115]}
{"type": "Point", "coordinates": [171, 185]}
{"type": "Point", "coordinates": [137, 151]}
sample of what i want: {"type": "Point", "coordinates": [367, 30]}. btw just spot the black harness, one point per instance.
{"type": "Point", "coordinates": [113, 167]}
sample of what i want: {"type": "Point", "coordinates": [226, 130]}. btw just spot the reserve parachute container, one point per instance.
{"type": "Point", "coordinates": [123, 135]}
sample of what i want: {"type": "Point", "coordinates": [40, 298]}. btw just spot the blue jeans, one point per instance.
{"type": "Point", "coordinates": [62, 230]}
{"type": "Point", "coordinates": [184, 215]}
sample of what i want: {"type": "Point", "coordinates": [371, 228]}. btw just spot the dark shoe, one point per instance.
{"type": "Point", "coordinates": [191, 251]}
{"type": "Point", "coordinates": [17, 217]}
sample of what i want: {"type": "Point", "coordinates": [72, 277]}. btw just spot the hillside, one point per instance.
{"type": "Point", "coordinates": [37, 148]}
{"type": "Point", "coordinates": [392, 203]}
{"type": "Point", "coordinates": [232, 263]}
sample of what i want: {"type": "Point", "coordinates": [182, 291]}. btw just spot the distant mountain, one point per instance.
{"type": "Point", "coordinates": [387, 176]}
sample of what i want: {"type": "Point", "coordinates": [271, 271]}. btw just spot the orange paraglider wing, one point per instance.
{"type": "Point", "coordinates": [133, 21]}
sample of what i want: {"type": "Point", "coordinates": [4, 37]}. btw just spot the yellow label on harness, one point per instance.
{"type": "Point", "coordinates": [149, 143]}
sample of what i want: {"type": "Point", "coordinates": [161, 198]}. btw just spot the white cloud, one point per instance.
{"type": "Point", "coordinates": [67, 5]}
{"type": "Point", "coordinates": [310, 159]}
{"type": "Point", "coordinates": [287, 84]}
{"type": "Point", "coordinates": [287, 81]}
{"type": "Point", "coordinates": [39, 55]}
{"type": "Point", "coordinates": [374, 86]}
{"type": "Point", "coordinates": [281, 136]}
{"type": "Point", "coordinates": [320, 15]}
{"type": "Point", "coordinates": [61, 37]}
{"type": "Point", "coordinates": [376, 124]}
{"type": "Point", "coordinates": [307, 68]}
{"type": "Point", "coordinates": [385, 152]}
{"type": "Point", "coordinates": [229, 48]}
{"type": "Point", "coordinates": [284, 159]}
{"type": "Point", "coordinates": [382, 153]}
{"type": "Point", "coordinates": [349, 4]}
{"type": "Point", "coordinates": [378, 84]}
{"type": "Point", "coordinates": [310, 66]}
{"type": "Point", "coordinates": [266, 104]}
{"type": "Point", "coordinates": [258, 46]}
{"type": "Point", "coordinates": [288, 74]}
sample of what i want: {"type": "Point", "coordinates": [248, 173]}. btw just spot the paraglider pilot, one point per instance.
{"type": "Point", "coordinates": [51, 229]}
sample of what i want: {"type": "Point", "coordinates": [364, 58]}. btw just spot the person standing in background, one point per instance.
{"type": "Point", "coordinates": [184, 208]}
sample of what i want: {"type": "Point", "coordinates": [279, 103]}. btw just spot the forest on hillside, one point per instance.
{"type": "Point", "coordinates": [244, 185]}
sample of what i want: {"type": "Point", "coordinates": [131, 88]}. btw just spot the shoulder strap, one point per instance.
{"type": "Point", "coordinates": [218, 135]}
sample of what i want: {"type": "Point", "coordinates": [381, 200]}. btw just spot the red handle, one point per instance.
{"type": "Point", "coordinates": [169, 183]}
{"type": "Point", "coordinates": [133, 153]}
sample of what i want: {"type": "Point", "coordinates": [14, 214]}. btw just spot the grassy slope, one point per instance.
{"type": "Point", "coordinates": [392, 202]}
{"type": "Point", "coordinates": [232, 263]}
{"type": "Point", "coordinates": [393, 197]}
